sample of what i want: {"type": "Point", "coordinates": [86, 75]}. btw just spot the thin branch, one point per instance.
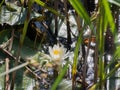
{"type": "Point", "coordinates": [7, 79]}
{"type": "Point", "coordinates": [68, 24]}
{"type": "Point", "coordinates": [11, 56]}
{"type": "Point", "coordinates": [56, 18]}
{"type": "Point", "coordinates": [14, 69]}
{"type": "Point", "coordinates": [7, 75]}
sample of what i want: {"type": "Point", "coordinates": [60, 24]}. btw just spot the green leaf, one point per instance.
{"type": "Point", "coordinates": [59, 78]}
{"type": "Point", "coordinates": [117, 52]}
{"type": "Point", "coordinates": [116, 2]}
{"type": "Point", "coordinates": [112, 71]}
{"type": "Point", "coordinates": [4, 35]}
{"type": "Point", "coordinates": [80, 10]}
{"type": "Point", "coordinates": [15, 17]}
{"type": "Point", "coordinates": [109, 16]}
{"type": "Point", "coordinates": [76, 53]}
{"type": "Point", "coordinates": [26, 22]}
{"type": "Point", "coordinates": [39, 2]}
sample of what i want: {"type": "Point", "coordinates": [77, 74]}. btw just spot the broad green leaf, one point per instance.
{"type": "Point", "coordinates": [4, 36]}
{"type": "Point", "coordinates": [27, 51]}
{"type": "Point", "coordinates": [15, 17]}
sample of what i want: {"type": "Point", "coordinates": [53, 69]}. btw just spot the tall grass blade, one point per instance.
{"type": "Point", "coordinates": [109, 16]}
{"type": "Point", "coordinates": [116, 2]}
{"type": "Point", "coordinates": [115, 58]}
{"type": "Point", "coordinates": [80, 10]}
{"type": "Point", "coordinates": [112, 71]}
{"type": "Point", "coordinates": [75, 60]}
{"type": "Point", "coordinates": [26, 22]}
{"type": "Point", "coordinates": [39, 2]}
{"type": "Point", "coordinates": [59, 78]}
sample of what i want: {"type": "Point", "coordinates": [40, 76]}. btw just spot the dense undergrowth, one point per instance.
{"type": "Point", "coordinates": [59, 44]}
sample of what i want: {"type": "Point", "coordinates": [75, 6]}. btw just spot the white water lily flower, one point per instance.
{"type": "Point", "coordinates": [57, 53]}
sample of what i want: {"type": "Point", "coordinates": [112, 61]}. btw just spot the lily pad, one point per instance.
{"type": "Point", "coordinates": [16, 16]}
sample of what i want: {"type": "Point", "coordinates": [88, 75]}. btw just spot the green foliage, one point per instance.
{"type": "Point", "coordinates": [103, 20]}
{"type": "Point", "coordinates": [30, 3]}
{"type": "Point", "coordinates": [59, 78]}
{"type": "Point", "coordinates": [110, 18]}
{"type": "Point", "coordinates": [15, 17]}
{"type": "Point", "coordinates": [49, 8]}
{"type": "Point", "coordinates": [80, 10]}
{"type": "Point", "coordinates": [116, 2]}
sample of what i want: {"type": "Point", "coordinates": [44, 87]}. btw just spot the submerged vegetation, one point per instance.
{"type": "Point", "coordinates": [59, 45]}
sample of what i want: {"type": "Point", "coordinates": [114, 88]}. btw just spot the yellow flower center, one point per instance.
{"type": "Point", "coordinates": [56, 52]}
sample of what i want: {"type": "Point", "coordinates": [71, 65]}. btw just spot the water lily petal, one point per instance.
{"type": "Point", "coordinates": [57, 53]}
